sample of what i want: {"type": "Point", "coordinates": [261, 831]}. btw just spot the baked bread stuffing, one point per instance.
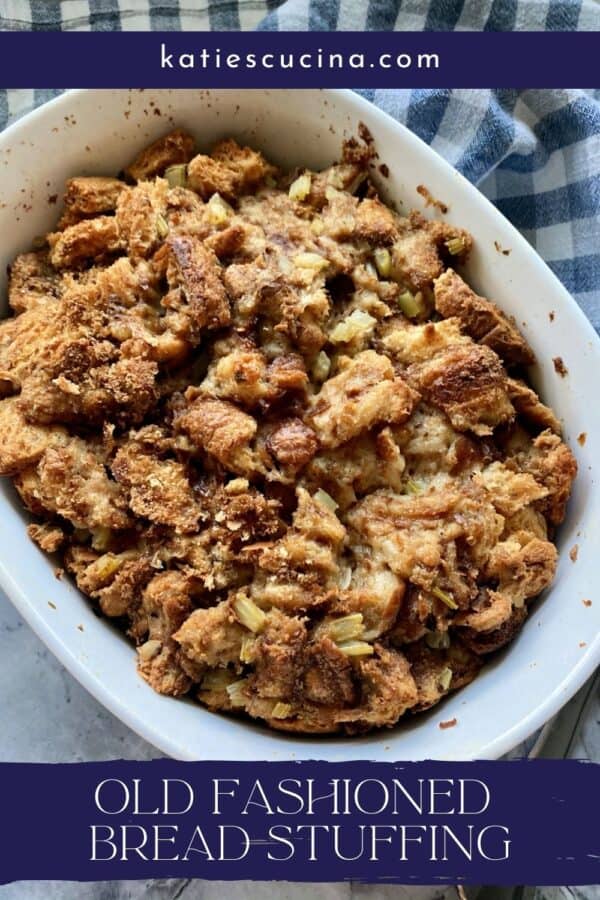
{"type": "Point", "coordinates": [275, 436]}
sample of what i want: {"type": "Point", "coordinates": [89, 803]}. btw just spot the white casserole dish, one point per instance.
{"type": "Point", "coordinates": [97, 132]}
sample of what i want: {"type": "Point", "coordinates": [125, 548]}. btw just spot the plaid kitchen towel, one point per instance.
{"type": "Point", "coordinates": [534, 153]}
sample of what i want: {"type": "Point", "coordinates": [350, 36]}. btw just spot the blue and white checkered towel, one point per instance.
{"type": "Point", "coordinates": [534, 153]}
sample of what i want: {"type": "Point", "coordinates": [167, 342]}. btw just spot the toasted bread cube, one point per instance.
{"type": "Point", "coordinates": [90, 240]}
{"type": "Point", "coordinates": [172, 149]}
{"type": "Point", "coordinates": [364, 394]}
{"type": "Point", "coordinates": [23, 444]}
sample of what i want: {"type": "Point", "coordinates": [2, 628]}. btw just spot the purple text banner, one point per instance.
{"type": "Point", "coordinates": [299, 59]}
{"type": "Point", "coordinates": [519, 822]}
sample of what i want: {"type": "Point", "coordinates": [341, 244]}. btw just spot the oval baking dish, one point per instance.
{"type": "Point", "coordinates": [97, 132]}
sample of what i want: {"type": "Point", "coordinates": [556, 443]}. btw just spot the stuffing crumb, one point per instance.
{"type": "Point", "coordinates": [573, 552]}
{"type": "Point", "coordinates": [430, 200]}
{"type": "Point", "coordinates": [582, 438]}
{"type": "Point", "coordinates": [587, 602]}
{"type": "Point", "coordinates": [274, 435]}
{"type": "Point", "coordinates": [450, 723]}
{"type": "Point", "coordinates": [503, 251]}
{"type": "Point", "coordinates": [559, 366]}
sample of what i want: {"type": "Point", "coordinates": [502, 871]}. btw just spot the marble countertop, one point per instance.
{"type": "Point", "coordinates": [48, 717]}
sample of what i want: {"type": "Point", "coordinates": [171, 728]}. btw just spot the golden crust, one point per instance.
{"type": "Point", "coordinates": [171, 149]}
{"type": "Point", "coordinates": [71, 481]}
{"type": "Point", "coordinates": [219, 428]}
{"type": "Point", "coordinates": [197, 298]}
{"type": "Point", "coordinates": [292, 443]}
{"type": "Point", "coordinates": [530, 407]}
{"type": "Point", "coordinates": [230, 170]}
{"type": "Point", "coordinates": [437, 672]}
{"type": "Point", "coordinates": [242, 373]}
{"type": "Point", "coordinates": [158, 489]}
{"type": "Point", "coordinates": [481, 319]}
{"type": "Point", "coordinates": [32, 280]}
{"type": "Point", "coordinates": [48, 537]}
{"type": "Point", "coordinates": [365, 393]}
{"type": "Point", "coordinates": [165, 605]}
{"type": "Point", "coordinates": [522, 570]}
{"type": "Point", "coordinates": [120, 595]}
{"type": "Point", "coordinates": [140, 212]}
{"type": "Point", "coordinates": [23, 443]}
{"type": "Point", "coordinates": [210, 637]}
{"type": "Point", "coordinates": [89, 196]}
{"type": "Point", "coordinates": [279, 655]}
{"type": "Point", "coordinates": [86, 381]}
{"type": "Point", "coordinates": [91, 240]}
{"type": "Point", "coordinates": [371, 461]}
{"type": "Point", "coordinates": [388, 690]}
{"type": "Point", "coordinates": [510, 491]}
{"type": "Point", "coordinates": [484, 642]}
{"type": "Point", "coordinates": [208, 176]}
{"type": "Point", "coordinates": [553, 465]}
{"type": "Point", "coordinates": [469, 384]}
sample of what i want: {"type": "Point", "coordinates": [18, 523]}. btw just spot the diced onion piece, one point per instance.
{"type": "Point", "coordinates": [236, 486]}
{"type": "Point", "coordinates": [118, 330]}
{"type": "Point", "coordinates": [345, 577]}
{"type": "Point", "coordinates": [323, 497]}
{"type": "Point", "coordinates": [358, 324]}
{"type": "Point", "coordinates": [218, 211]}
{"type": "Point", "coordinates": [456, 245]}
{"type": "Point", "coordinates": [300, 188]}
{"type": "Point", "coordinates": [217, 680]}
{"type": "Point", "coordinates": [446, 598]}
{"type": "Point", "coordinates": [316, 226]}
{"type": "Point", "coordinates": [412, 487]}
{"type": "Point", "coordinates": [162, 227]}
{"type": "Point", "coordinates": [412, 305]}
{"type": "Point", "coordinates": [356, 648]}
{"type": "Point", "coordinates": [310, 261]}
{"type": "Point", "coordinates": [247, 649]}
{"type": "Point", "coordinates": [101, 538]}
{"type": "Point", "coordinates": [371, 633]}
{"type": "Point", "coordinates": [383, 262]}
{"type": "Point", "coordinates": [321, 366]}
{"type": "Point", "coordinates": [335, 178]}
{"type": "Point", "coordinates": [437, 640]}
{"type": "Point", "coordinates": [281, 711]}
{"type": "Point", "coordinates": [249, 614]}
{"type": "Point", "coordinates": [176, 176]}
{"type": "Point", "coordinates": [445, 677]}
{"type": "Point", "coordinates": [103, 568]}
{"type": "Point", "coordinates": [236, 694]}
{"type": "Point", "coordinates": [150, 649]}
{"type": "Point", "coordinates": [346, 629]}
